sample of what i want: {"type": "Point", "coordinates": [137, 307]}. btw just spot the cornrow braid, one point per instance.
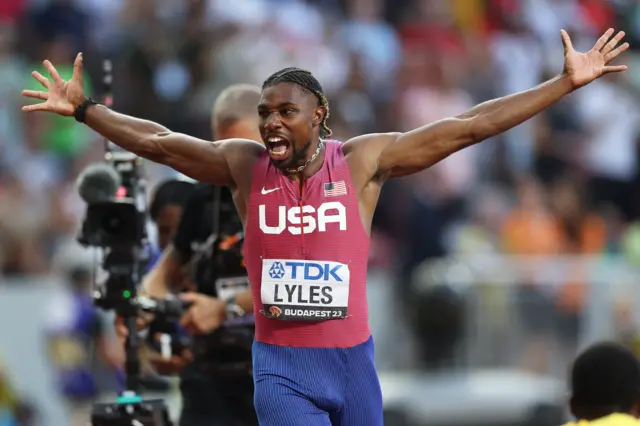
{"type": "Point", "coordinates": [308, 82]}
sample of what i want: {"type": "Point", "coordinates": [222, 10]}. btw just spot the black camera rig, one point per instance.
{"type": "Point", "coordinates": [115, 223]}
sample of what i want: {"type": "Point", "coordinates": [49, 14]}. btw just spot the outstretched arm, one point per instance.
{"type": "Point", "coordinates": [405, 153]}
{"type": "Point", "coordinates": [419, 149]}
{"type": "Point", "coordinates": [201, 160]}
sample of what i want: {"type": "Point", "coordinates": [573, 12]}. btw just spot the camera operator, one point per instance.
{"type": "Point", "coordinates": [167, 204]}
{"type": "Point", "coordinates": [217, 386]}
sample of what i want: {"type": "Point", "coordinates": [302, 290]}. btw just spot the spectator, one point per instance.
{"type": "Point", "coordinates": [74, 327]}
{"type": "Point", "coordinates": [604, 381]}
{"type": "Point", "coordinates": [530, 229]}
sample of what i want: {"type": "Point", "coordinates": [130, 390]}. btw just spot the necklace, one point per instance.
{"type": "Point", "coordinates": [304, 166]}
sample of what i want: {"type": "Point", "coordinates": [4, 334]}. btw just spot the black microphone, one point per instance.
{"type": "Point", "coordinates": [97, 183]}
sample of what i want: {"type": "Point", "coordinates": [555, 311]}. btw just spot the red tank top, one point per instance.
{"type": "Point", "coordinates": [306, 254]}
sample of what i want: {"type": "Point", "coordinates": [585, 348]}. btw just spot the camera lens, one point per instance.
{"type": "Point", "coordinates": [112, 224]}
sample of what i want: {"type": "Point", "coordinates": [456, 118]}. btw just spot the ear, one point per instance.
{"type": "Point", "coordinates": [318, 115]}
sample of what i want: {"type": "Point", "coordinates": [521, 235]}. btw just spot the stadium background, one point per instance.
{"type": "Point", "coordinates": [487, 271]}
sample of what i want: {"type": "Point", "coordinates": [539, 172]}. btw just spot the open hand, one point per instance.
{"type": "Point", "coordinates": [205, 315]}
{"type": "Point", "coordinates": [61, 97]}
{"type": "Point", "coordinates": [583, 68]}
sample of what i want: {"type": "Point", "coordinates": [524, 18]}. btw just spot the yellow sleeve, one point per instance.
{"type": "Point", "coordinates": [578, 423]}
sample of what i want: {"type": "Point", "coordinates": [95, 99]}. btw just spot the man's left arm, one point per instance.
{"type": "Point", "coordinates": [421, 148]}
{"type": "Point", "coordinates": [401, 154]}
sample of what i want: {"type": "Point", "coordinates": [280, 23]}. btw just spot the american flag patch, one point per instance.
{"type": "Point", "coordinates": [335, 189]}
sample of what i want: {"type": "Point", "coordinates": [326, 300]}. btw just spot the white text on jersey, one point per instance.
{"type": "Point", "coordinates": [311, 219]}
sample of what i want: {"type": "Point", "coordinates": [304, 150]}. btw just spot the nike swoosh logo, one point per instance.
{"type": "Point", "coordinates": [267, 191]}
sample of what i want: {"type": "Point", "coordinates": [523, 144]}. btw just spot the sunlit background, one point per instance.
{"type": "Point", "coordinates": [487, 271]}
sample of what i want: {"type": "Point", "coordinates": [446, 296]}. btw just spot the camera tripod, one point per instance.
{"type": "Point", "coordinates": [129, 409]}
{"type": "Point", "coordinates": [117, 224]}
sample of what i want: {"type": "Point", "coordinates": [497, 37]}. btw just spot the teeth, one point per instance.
{"type": "Point", "coordinates": [279, 150]}
{"type": "Point", "coordinates": [278, 146]}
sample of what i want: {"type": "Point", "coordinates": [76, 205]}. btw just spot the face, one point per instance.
{"type": "Point", "coordinates": [167, 224]}
{"type": "Point", "coordinates": [289, 123]}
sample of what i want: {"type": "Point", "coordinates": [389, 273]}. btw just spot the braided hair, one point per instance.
{"type": "Point", "coordinates": [306, 81]}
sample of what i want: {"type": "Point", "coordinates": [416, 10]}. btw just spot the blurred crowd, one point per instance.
{"type": "Point", "coordinates": [566, 182]}
{"type": "Point", "coordinates": [385, 66]}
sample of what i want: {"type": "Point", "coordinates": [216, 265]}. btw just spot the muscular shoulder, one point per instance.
{"type": "Point", "coordinates": [241, 156]}
{"type": "Point", "coordinates": [370, 141]}
{"type": "Point", "coordinates": [243, 148]}
{"type": "Point", "coordinates": [362, 153]}
{"type": "Point", "coordinates": [240, 153]}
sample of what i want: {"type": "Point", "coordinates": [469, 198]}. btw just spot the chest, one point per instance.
{"type": "Point", "coordinates": [320, 206]}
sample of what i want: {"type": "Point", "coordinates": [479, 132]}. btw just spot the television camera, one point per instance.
{"type": "Point", "coordinates": [115, 223]}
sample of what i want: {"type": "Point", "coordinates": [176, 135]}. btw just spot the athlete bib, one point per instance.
{"type": "Point", "coordinates": [304, 290]}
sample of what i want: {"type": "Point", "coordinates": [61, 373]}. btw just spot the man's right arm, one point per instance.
{"type": "Point", "coordinates": [164, 275]}
{"type": "Point", "coordinates": [198, 159]}
{"type": "Point", "coordinates": [201, 160]}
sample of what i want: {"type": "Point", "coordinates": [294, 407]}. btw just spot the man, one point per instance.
{"type": "Point", "coordinates": [605, 387]}
{"type": "Point", "coordinates": [306, 205]}
{"type": "Point", "coordinates": [167, 204]}
{"type": "Point", "coordinates": [233, 116]}
{"type": "Point", "coordinates": [225, 398]}
{"type": "Point", "coordinates": [168, 201]}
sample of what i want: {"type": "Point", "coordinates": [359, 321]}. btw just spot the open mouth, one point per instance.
{"type": "Point", "coordinates": [278, 146]}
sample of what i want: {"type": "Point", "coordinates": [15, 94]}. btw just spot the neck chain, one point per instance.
{"type": "Point", "coordinates": [313, 157]}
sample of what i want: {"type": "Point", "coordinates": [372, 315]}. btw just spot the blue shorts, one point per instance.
{"type": "Point", "coordinates": [316, 386]}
